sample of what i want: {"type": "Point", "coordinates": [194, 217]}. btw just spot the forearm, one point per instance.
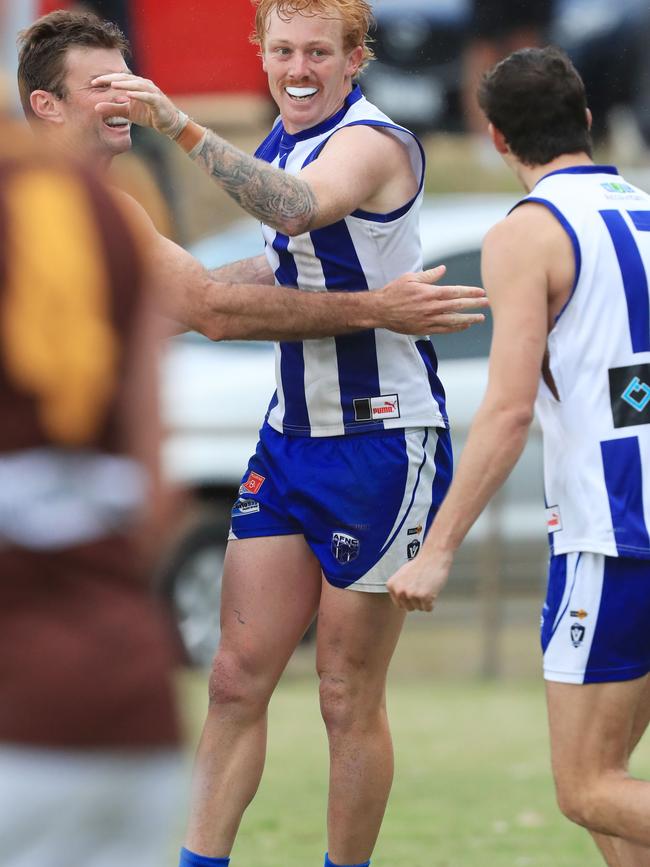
{"type": "Point", "coordinates": [495, 442]}
{"type": "Point", "coordinates": [253, 270]}
{"type": "Point", "coordinates": [250, 312]}
{"type": "Point", "coordinates": [278, 199]}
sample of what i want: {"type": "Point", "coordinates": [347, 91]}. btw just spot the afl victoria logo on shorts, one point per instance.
{"type": "Point", "coordinates": [412, 549]}
{"type": "Point", "coordinates": [345, 548]}
{"type": "Point", "coordinates": [577, 634]}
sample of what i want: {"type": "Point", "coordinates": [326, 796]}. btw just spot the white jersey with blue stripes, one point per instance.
{"type": "Point", "coordinates": [597, 435]}
{"type": "Point", "coordinates": [370, 380]}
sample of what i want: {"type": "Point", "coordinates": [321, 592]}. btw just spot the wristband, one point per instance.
{"type": "Point", "coordinates": [179, 125]}
{"type": "Point", "coordinates": [191, 138]}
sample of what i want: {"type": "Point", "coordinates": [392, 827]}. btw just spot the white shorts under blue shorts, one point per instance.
{"type": "Point", "coordinates": [362, 502]}
{"type": "Point", "coordinates": [596, 619]}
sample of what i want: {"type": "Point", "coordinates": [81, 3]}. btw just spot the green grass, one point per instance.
{"type": "Point", "coordinates": [472, 784]}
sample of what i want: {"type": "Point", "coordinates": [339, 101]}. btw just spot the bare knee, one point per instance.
{"type": "Point", "coordinates": [237, 686]}
{"type": "Point", "coordinates": [347, 703]}
{"type": "Point", "coordinates": [585, 801]}
{"type": "Point", "coordinates": [572, 802]}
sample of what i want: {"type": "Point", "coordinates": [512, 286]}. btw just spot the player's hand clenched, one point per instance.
{"type": "Point", "coordinates": [417, 585]}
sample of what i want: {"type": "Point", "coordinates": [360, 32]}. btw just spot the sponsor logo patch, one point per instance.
{"type": "Point", "coordinates": [345, 548]}
{"type": "Point", "coordinates": [629, 392]}
{"type": "Point", "coordinates": [580, 614]}
{"type": "Point", "coordinates": [615, 187]}
{"type": "Point", "coordinates": [252, 484]}
{"type": "Point", "coordinates": [412, 549]}
{"type": "Point", "coordinates": [376, 408]}
{"type": "Point", "coordinates": [553, 519]}
{"type": "Point", "coordinates": [245, 507]}
{"type": "Point", "coordinates": [577, 634]}
{"type": "Point", "coordinates": [414, 531]}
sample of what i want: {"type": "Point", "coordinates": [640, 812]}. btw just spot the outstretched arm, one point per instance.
{"type": "Point", "coordinates": [188, 294]}
{"type": "Point", "coordinates": [325, 191]}
{"type": "Point", "coordinates": [515, 275]}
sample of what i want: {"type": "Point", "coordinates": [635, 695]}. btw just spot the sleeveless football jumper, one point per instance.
{"type": "Point", "coordinates": [370, 380]}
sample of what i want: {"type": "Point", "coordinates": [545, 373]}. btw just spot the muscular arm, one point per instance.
{"type": "Point", "coordinates": [278, 199]}
{"type": "Point", "coordinates": [359, 166]}
{"type": "Point", "coordinates": [515, 272]}
{"type": "Point", "coordinates": [186, 293]}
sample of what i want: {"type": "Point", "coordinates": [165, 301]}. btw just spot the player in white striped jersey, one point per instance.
{"type": "Point", "coordinates": [567, 273]}
{"type": "Point", "coordinates": [354, 457]}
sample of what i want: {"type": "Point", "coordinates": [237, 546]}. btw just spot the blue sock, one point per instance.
{"type": "Point", "coordinates": [191, 859]}
{"type": "Point", "coordinates": [329, 863]}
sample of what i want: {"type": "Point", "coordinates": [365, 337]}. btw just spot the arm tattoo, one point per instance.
{"type": "Point", "coordinates": [271, 195]}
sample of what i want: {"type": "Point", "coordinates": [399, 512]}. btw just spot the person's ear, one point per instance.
{"type": "Point", "coordinates": [354, 61]}
{"type": "Point", "coordinates": [46, 106]}
{"type": "Point", "coordinates": [498, 139]}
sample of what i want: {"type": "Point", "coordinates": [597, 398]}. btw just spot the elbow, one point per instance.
{"type": "Point", "coordinates": [518, 418]}
{"type": "Point", "coordinates": [295, 226]}
{"type": "Point", "coordinates": [216, 329]}
{"type": "Point", "coordinates": [511, 418]}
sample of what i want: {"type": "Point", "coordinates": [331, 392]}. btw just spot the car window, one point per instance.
{"type": "Point", "coordinates": [464, 269]}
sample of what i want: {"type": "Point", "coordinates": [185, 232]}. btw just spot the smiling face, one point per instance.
{"type": "Point", "coordinates": [81, 127]}
{"type": "Point", "coordinates": [308, 69]}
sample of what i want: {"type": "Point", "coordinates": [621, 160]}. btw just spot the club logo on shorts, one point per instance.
{"type": "Point", "coordinates": [245, 507]}
{"type": "Point", "coordinates": [577, 634]}
{"type": "Point", "coordinates": [252, 484]}
{"type": "Point", "coordinates": [345, 548]}
{"type": "Point", "coordinates": [412, 549]}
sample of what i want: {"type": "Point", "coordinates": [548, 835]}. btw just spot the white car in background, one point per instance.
{"type": "Point", "coordinates": [215, 396]}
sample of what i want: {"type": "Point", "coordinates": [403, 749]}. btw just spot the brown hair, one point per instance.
{"type": "Point", "coordinates": [355, 14]}
{"type": "Point", "coordinates": [536, 98]}
{"type": "Point", "coordinates": [42, 50]}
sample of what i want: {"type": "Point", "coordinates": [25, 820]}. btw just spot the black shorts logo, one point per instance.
{"type": "Point", "coordinates": [629, 392]}
{"type": "Point", "coordinates": [412, 549]}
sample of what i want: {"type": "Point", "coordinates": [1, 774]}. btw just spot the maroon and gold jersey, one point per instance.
{"type": "Point", "coordinates": [85, 658]}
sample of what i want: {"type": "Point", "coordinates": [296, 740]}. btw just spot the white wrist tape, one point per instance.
{"type": "Point", "coordinates": [179, 125]}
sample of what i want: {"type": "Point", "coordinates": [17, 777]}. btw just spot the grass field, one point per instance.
{"type": "Point", "coordinates": [472, 785]}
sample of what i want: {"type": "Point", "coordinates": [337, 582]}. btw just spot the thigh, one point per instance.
{"type": "Point", "coordinates": [592, 726]}
{"type": "Point", "coordinates": [270, 594]}
{"type": "Point", "coordinates": [369, 501]}
{"type": "Point", "coordinates": [595, 619]}
{"type": "Point", "coordinates": [357, 635]}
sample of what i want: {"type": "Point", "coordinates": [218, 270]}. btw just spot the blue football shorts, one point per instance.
{"type": "Point", "coordinates": [363, 502]}
{"type": "Point", "coordinates": [596, 619]}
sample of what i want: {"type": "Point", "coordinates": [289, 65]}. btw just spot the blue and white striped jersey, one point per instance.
{"type": "Point", "coordinates": [597, 435]}
{"type": "Point", "coordinates": [370, 380]}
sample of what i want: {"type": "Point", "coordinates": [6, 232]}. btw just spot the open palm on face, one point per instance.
{"type": "Point", "coordinates": [147, 105]}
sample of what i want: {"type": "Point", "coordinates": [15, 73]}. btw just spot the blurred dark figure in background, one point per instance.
{"type": "Point", "coordinates": [497, 28]}
{"type": "Point", "coordinates": [88, 730]}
